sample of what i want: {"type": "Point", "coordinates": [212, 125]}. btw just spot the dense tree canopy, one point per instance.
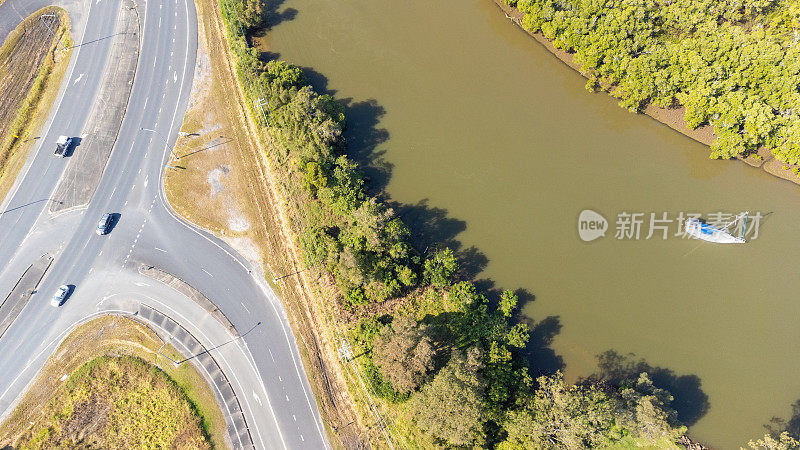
{"type": "Point", "coordinates": [404, 353]}
{"type": "Point", "coordinates": [733, 64]}
{"type": "Point", "coordinates": [452, 406]}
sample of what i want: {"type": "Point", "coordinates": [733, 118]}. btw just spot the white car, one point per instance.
{"type": "Point", "coordinates": [60, 296]}
{"type": "Point", "coordinates": [104, 224]}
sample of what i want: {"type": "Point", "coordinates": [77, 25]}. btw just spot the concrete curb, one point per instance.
{"type": "Point", "coordinates": [238, 430]}
{"type": "Point", "coordinates": [16, 301]}
{"type": "Point", "coordinates": [192, 293]}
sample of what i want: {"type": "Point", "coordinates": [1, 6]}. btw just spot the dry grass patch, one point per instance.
{"type": "Point", "coordinates": [37, 419]}
{"type": "Point", "coordinates": [117, 402]}
{"type": "Point", "coordinates": [212, 183]}
{"type": "Point", "coordinates": [31, 70]}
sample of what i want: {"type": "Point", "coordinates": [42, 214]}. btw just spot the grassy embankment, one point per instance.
{"type": "Point", "coordinates": [32, 66]}
{"type": "Point", "coordinates": [224, 184]}
{"type": "Point", "coordinates": [100, 389]}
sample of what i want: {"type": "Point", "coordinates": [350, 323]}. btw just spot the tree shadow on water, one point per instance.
{"type": "Point", "coordinates": [274, 15]}
{"type": "Point", "coordinates": [363, 134]}
{"type": "Point", "coordinates": [690, 402]}
{"type": "Point", "coordinates": [778, 425]}
{"type": "Point", "coordinates": [431, 226]}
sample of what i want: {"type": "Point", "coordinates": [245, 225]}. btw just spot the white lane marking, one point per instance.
{"type": "Point", "coordinates": [255, 396]}
{"type": "Point", "coordinates": [294, 417]}
{"type": "Point", "coordinates": [160, 249]}
{"type": "Point", "coordinates": [302, 438]}
{"type": "Point", "coordinates": [77, 79]}
{"type": "Point", "coordinates": [174, 76]}
{"type": "Point", "coordinates": [57, 107]}
{"type": "Point", "coordinates": [162, 199]}
{"type": "Point", "coordinates": [140, 171]}
{"type": "Point", "coordinates": [233, 374]}
{"type": "Point", "coordinates": [145, 180]}
{"type": "Point", "coordinates": [280, 379]}
{"type": "Point", "coordinates": [270, 354]}
{"type": "Point", "coordinates": [207, 272]}
{"type": "Point", "coordinates": [99, 254]}
{"type": "Point", "coordinates": [245, 307]}
{"type": "Point", "coordinates": [112, 191]}
{"type": "Point", "coordinates": [287, 397]}
{"type": "Point", "coordinates": [159, 21]}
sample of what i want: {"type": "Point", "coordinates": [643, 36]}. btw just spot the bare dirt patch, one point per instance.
{"type": "Point", "coordinates": [31, 70]}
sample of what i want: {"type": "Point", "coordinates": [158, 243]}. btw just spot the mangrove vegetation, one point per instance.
{"type": "Point", "coordinates": [734, 65]}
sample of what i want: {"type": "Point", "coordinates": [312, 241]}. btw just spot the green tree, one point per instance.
{"type": "Point", "coordinates": [451, 407]}
{"type": "Point", "coordinates": [783, 442]}
{"type": "Point", "coordinates": [252, 13]}
{"type": "Point", "coordinates": [404, 354]}
{"type": "Point", "coordinates": [645, 413]}
{"type": "Point", "coordinates": [508, 302]}
{"type": "Point", "coordinates": [440, 268]}
{"type": "Point", "coordinates": [560, 416]}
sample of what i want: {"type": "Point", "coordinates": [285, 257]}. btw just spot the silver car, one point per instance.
{"type": "Point", "coordinates": [60, 296]}
{"type": "Point", "coordinates": [104, 224]}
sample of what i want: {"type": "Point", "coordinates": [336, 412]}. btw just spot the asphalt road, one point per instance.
{"type": "Point", "coordinates": [270, 381]}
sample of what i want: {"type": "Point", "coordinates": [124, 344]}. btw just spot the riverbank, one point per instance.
{"type": "Point", "coordinates": [672, 117]}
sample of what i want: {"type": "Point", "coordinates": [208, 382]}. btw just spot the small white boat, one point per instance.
{"type": "Point", "coordinates": [699, 229]}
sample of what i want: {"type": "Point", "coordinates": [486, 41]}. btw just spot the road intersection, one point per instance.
{"type": "Point", "coordinates": [264, 364]}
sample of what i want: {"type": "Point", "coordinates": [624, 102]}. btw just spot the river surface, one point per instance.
{"type": "Point", "coordinates": [479, 120]}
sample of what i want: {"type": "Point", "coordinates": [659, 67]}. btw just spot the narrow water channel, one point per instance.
{"type": "Point", "coordinates": [498, 146]}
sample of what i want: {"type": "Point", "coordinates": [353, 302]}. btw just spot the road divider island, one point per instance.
{"type": "Point", "coordinates": [110, 385]}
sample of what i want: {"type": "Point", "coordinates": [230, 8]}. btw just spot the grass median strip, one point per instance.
{"type": "Point", "coordinates": [32, 65]}
{"type": "Point", "coordinates": [100, 390]}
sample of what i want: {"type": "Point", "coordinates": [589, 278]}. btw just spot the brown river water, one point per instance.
{"type": "Point", "coordinates": [495, 144]}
